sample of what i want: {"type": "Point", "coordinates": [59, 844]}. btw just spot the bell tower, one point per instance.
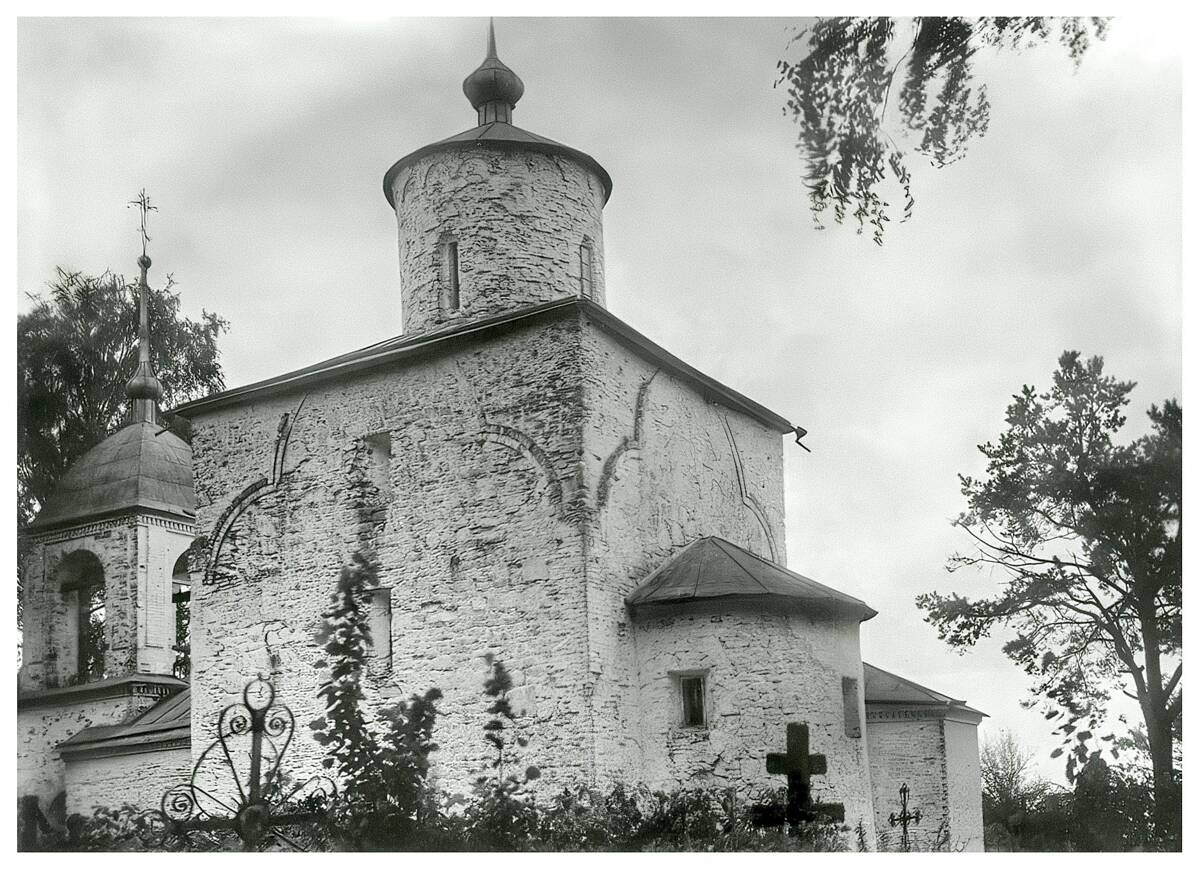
{"type": "Point", "coordinates": [104, 581]}
{"type": "Point", "coordinates": [495, 218]}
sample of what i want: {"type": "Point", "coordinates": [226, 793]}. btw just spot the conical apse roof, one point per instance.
{"type": "Point", "coordinates": [715, 568]}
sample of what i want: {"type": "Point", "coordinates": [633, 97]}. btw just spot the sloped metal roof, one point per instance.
{"type": "Point", "coordinates": [142, 466]}
{"type": "Point", "coordinates": [501, 135]}
{"type": "Point", "coordinates": [407, 348]}
{"type": "Point", "coordinates": [168, 720]}
{"type": "Point", "coordinates": [880, 686]}
{"type": "Point", "coordinates": [715, 568]}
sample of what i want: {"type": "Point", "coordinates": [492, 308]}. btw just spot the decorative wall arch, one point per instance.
{"type": "Point", "coordinates": [254, 492]}
{"type": "Point", "coordinates": [410, 179]}
{"type": "Point", "coordinates": [748, 500]}
{"type": "Point", "coordinates": [523, 445]}
{"type": "Point", "coordinates": [628, 444]}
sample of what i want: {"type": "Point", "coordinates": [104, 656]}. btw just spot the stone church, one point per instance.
{"type": "Point", "coordinates": [537, 481]}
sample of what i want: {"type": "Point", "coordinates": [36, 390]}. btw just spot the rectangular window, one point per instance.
{"type": "Point", "coordinates": [691, 688]}
{"type": "Point", "coordinates": [585, 270]}
{"type": "Point", "coordinates": [850, 707]}
{"type": "Point", "coordinates": [379, 461]}
{"type": "Point", "coordinates": [379, 622]}
{"type": "Point", "coordinates": [452, 299]}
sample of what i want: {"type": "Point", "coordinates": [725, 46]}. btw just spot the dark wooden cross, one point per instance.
{"type": "Point", "coordinates": [799, 766]}
{"type": "Point", "coordinates": [905, 817]}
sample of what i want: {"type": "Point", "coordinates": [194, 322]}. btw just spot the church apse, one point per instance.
{"type": "Point", "coordinates": [766, 665]}
{"type": "Point", "coordinates": [659, 462]}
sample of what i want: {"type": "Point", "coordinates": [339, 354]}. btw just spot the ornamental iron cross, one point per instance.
{"type": "Point", "coordinates": [223, 796]}
{"type": "Point", "coordinates": [905, 817]}
{"type": "Point", "coordinates": [799, 766]}
{"type": "Point", "coordinates": [143, 205]}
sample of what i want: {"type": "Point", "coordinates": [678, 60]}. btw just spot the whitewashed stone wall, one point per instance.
{"type": "Point", "coordinates": [137, 553]}
{"type": "Point", "coordinates": [40, 730]}
{"type": "Point", "coordinates": [963, 779]}
{"type": "Point", "coordinates": [519, 219]}
{"type": "Point", "coordinates": [474, 525]}
{"type": "Point", "coordinates": [49, 651]}
{"type": "Point", "coordinates": [512, 521]}
{"type": "Point", "coordinates": [137, 779]}
{"type": "Point", "coordinates": [663, 467]}
{"type": "Point", "coordinates": [913, 752]}
{"type": "Point", "coordinates": [765, 666]}
{"type": "Point", "coordinates": [939, 760]}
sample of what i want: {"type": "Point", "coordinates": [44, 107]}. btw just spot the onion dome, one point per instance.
{"type": "Point", "coordinates": [144, 385]}
{"type": "Point", "coordinates": [493, 88]}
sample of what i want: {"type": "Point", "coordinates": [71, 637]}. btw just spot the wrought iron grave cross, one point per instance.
{"type": "Point", "coordinates": [258, 806]}
{"type": "Point", "coordinates": [905, 817]}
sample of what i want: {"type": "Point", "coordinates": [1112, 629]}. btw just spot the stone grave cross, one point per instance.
{"type": "Point", "coordinates": [799, 766]}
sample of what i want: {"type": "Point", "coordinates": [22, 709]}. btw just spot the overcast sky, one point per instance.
{"type": "Point", "coordinates": [264, 142]}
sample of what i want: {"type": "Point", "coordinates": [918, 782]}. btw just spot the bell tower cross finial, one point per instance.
{"type": "Point", "coordinates": [143, 204]}
{"type": "Point", "coordinates": [144, 389]}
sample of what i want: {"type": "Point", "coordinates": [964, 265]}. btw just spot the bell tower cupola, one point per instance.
{"type": "Point", "coordinates": [496, 218]}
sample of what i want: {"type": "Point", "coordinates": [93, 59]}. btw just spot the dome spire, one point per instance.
{"type": "Point", "coordinates": [493, 88]}
{"type": "Point", "coordinates": [144, 389]}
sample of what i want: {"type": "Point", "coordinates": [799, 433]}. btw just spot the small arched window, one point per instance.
{"type": "Point", "coordinates": [82, 581]}
{"type": "Point", "coordinates": [586, 269]}
{"type": "Point", "coordinates": [448, 254]}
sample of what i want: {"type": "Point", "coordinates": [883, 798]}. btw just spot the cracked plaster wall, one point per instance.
{"type": "Point", "coordinates": [138, 779]}
{"type": "Point", "coordinates": [908, 750]}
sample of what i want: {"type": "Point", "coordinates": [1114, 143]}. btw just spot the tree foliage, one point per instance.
{"type": "Point", "coordinates": [502, 813]}
{"type": "Point", "coordinates": [1010, 786]}
{"type": "Point", "coordinates": [1085, 536]}
{"type": "Point", "coordinates": [76, 348]}
{"type": "Point", "coordinates": [870, 92]}
{"type": "Point", "coordinates": [382, 766]}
